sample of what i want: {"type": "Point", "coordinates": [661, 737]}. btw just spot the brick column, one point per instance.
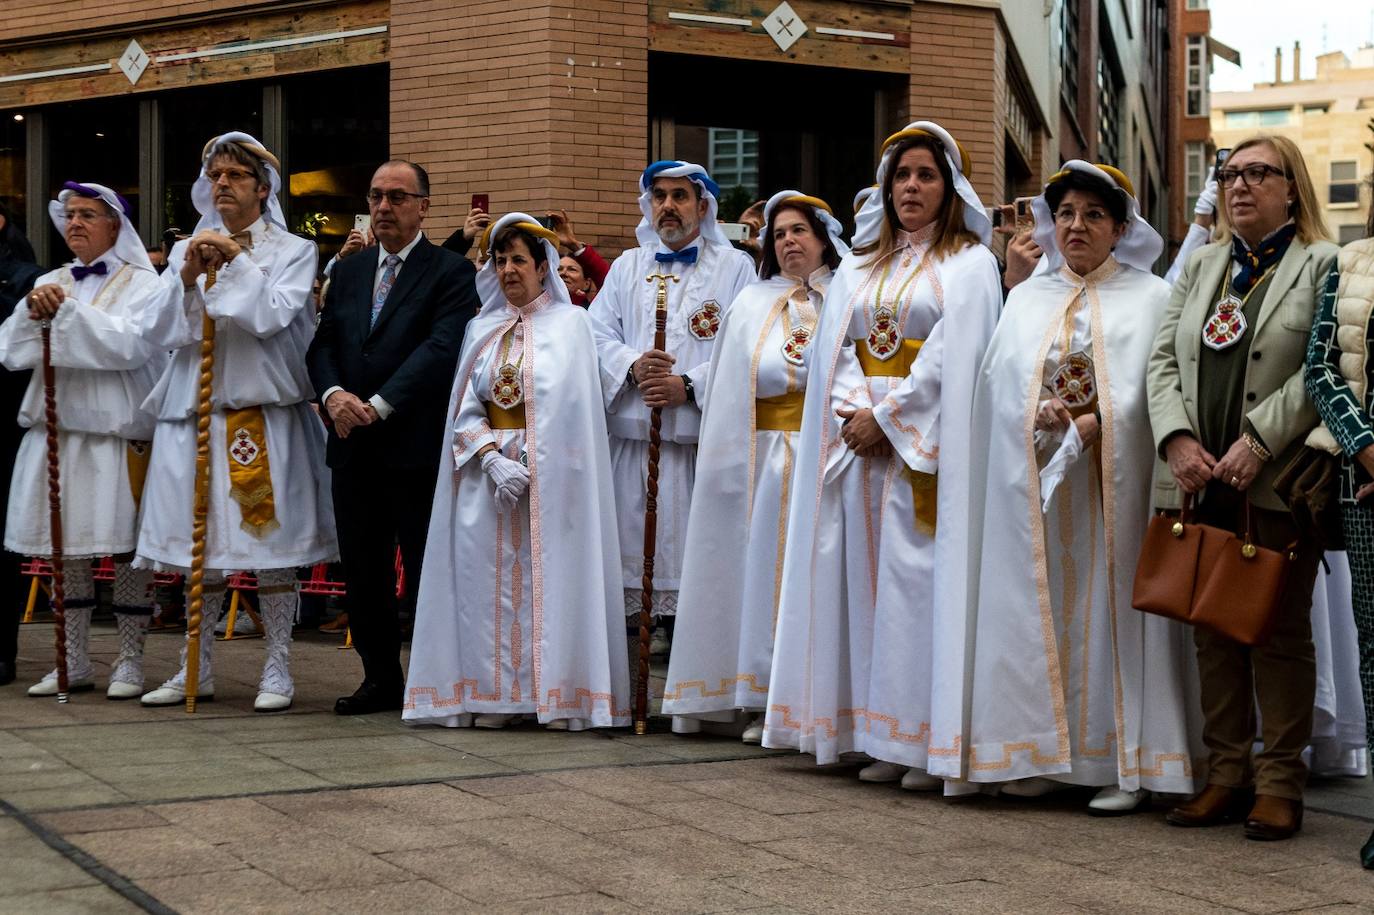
{"type": "Point", "coordinates": [539, 105]}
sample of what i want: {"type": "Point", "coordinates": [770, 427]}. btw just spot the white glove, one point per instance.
{"type": "Point", "coordinates": [1207, 200]}
{"type": "Point", "coordinates": [511, 478]}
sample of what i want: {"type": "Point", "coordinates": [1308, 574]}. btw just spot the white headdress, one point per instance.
{"type": "Point", "coordinates": [489, 285]}
{"type": "Point", "coordinates": [869, 220]}
{"type": "Point", "coordinates": [676, 168]}
{"type": "Point", "coordinates": [203, 192]}
{"type": "Point", "coordinates": [1140, 245]}
{"type": "Point", "coordinates": [128, 245]}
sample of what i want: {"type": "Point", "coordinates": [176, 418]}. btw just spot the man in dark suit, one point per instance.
{"type": "Point", "coordinates": [383, 361]}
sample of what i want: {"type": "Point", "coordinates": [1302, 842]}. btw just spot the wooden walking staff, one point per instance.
{"type": "Point", "coordinates": [59, 593]}
{"type": "Point", "coordinates": [195, 604]}
{"type": "Point", "coordinates": [651, 515]}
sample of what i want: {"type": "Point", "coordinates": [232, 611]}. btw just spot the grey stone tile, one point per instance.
{"type": "Point", "coordinates": [606, 754]}
{"type": "Point", "coordinates": [436, 804]}
{"type": "Point", "coordinates": [102, 820]}
{"type": "Point", "coordinates": [88, 794]}
{"type": "Point", "coordinates": [309, 859]}
{"type": "Point", "coordinates": [231, 893]}
{"type": "Point", "coordinates": [578, 904]}
{"type": "Point", "coordinates": [667, 893]}
{"type": "Point", "coordinates": [731, 821]}
{"type": "Point", "coordinates": [510, 784]}
{"type": "Point", "coordinates": [580, 812]}
{"type": "Point", "coordinates": [1192, 876]}
{"type": "Point", "coordinates": [484, 874]}
{"type": "Point", "coordinates": [30, 866]}
{"type": "Point", "coordinates": [760, 794]}
{"type": "Point", "coordinates": [801, 889]}
{"type": "Point", "coordinates": [86, 900]}
{"type": "Point", "coordinates": [689, 851]}
{"type": "Point", "coordinates": [632, 786]}
{"type": "Point", "coordinates": [414, 897]}
{"type": "Point", "coordinates": [158, 851]}
{"type": "Point", "coordinates": [221, 820]}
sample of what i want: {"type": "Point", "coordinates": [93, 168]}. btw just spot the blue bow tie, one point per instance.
{"type": "Point", "coordinates": [685, 256]}
{"type": "Point", "coordinates": [80, 273]}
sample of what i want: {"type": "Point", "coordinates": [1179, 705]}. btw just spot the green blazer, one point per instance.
{"type": "Point", "coordinates": [1276, 401]}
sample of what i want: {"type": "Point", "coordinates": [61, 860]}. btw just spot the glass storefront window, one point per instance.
{"type": "Point", "coordinates": [13, 165]}
{"type": "Point", "coordinates": [189, 118]}
{"type": "Point", "coordinates": [92, 141]}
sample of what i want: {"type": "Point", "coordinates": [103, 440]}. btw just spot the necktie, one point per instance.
{"type": "Point", "coordinates": [384, 287]}
{"type": "Point", "coordinates": [685, 256]}
{"type": "Point", "coordinates": [97, 269]}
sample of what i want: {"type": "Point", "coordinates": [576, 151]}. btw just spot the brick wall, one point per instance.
{"type": "Point", "coordinates": [31, 18]}
{"type": "Point", "coordinates": [953, 53]}
{"type": "Point", "coordinates": [547, 110]}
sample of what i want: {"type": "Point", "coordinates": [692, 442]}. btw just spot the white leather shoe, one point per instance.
{"type": "Point", "coordinates": [174, 695]}
{"type": "Point", "coordinates": [271, 702]}
{"type": "Point", "coordinates": [916, 780]}
{"type": "Point", "coordinates": [1032, 787]}
{"type": "Point", "coordinates": [119, 690]}
{"type": "Point", "coordinates": [881, 772]}
{"type": "Point", "coordinates": [754, 733]}
{"type": "Point", "coordinates": [48, 685]}
{"type": "Point", "coordinates": [492, 721]}
{"type": "Point", "coordinates": [558, 724]}
{"type": "Point", "coordinates": [1112, 801]}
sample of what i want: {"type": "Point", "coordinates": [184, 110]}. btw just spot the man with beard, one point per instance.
{"type": "Point", "coordinates": [682, 254]}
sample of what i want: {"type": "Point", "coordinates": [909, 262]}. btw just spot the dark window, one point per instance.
{"type": "Point", "coordinates": [190, 117]}
{"type": "Point", "coordinates": [1108, 110]}
{"type": "Point", "coordinates": [1068, 54]}
{"type": "Point", "coordinates": [92, 141]}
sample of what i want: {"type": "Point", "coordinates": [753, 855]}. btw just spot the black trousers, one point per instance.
{"type": "Point", "coordinates": [374, 511]}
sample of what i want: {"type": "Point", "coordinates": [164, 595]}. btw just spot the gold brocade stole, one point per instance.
{"type": "Point", "coordinates": [898, 366]}
{"type": "Point", "coordinates": [498, 417]}
{"type": "Point", "coordinates": [250, 473]}
{"type": "Point", "coordinates": [138, 454]}
{"type": "Point", "coordinates": [923, 499]}
{"type": "Point", "coordinates": [782, 413]}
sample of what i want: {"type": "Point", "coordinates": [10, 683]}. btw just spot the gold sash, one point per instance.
{"type": "Point", "coordinates": [137, 454]}
{"type": "Point", "coordinates": [899, 366]}
{"type": "Point", "coordinates": [923, 498]}
{"type": "Point", "coordinates": [782, 413]}
{"type": "Point", "coordinates": [250, 474]}
{"type": "Point", "coordinates": [500, 418]}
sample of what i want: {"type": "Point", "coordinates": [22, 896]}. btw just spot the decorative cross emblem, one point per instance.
{"type": "Point", "coordinates": [244, 450]}
{"type": "Point", "coordinates": [784, 26]}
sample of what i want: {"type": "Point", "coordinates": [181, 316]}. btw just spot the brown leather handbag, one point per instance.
{"type": "Point", "coordinates": [1311, 488]}
{"type": "Point", "coordinates": [1209, 577]}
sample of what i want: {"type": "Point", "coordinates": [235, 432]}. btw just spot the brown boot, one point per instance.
{"type": "Point", "coordinates": [1273, 818]}
{"type": "Point", "coordinates": [1215, 805]}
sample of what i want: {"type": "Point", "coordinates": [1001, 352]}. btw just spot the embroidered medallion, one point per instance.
{"type": "Point", "coordinates": [884, 339]}
{"type": "Point", "coordinates": [505, 390]}
{"type": "Point", "coordinates": [1074, 382]}
{"type": "Point", "coordinates": [705, 321]}
{"type": "Point", "coordinates": [1226, 326]}
{"type": "Point", "coordinates": [244, 450]}
{"type": "Point", "coordinates": [794, 347]}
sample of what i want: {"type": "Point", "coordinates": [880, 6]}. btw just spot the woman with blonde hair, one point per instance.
{"type": "Point", "coordinates": [1229, 410]}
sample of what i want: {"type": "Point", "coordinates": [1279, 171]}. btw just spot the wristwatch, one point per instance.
{"type": "Point", "coordinates": [630, 378]}
{"type": "Point", "coordinates": [691, 391]}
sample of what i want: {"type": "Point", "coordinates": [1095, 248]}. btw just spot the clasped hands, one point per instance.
{"type": "Point", "coordinates": [207, 249]}
{"type": "Point", "coordinates": [1054, 417]}
{"type": "Point", "coordinates": [1193, 467]}
{"type": "Point", "coordinates": [347, 412]}
{"type": "Point", "coordinates": [862, 433]}
{"type": "Point", "coordinates": [511, 478]}
{"type": "Point", "coordinates": [45, 300]}
{"type": "Point", "coordinates": [653, 374]}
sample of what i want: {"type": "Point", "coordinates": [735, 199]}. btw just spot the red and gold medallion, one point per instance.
{"type": "Point", "coordinates": [505, 390]}
{"type": "Point", "coordinates": [1226, 326]}
{"type": "Point", "coordinates": [884, 338]}
{"type": "Point", "coordinates": [794, 347]}
{"type": "Point", "coordinates": [705, 321]}
{"type": "Point", "coordinates": [1074, 382]}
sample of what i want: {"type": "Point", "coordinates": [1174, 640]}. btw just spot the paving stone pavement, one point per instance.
{"type": "Point", "coordinates": [109, 807]}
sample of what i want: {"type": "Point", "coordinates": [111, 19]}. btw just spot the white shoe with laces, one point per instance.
{"type": "Point", "coordinates": [1113, 801]}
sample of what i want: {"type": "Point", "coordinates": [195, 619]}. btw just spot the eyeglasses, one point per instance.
{"type": "Point", "coordinates": [395, 198]}
{"type": "Point", "coordinates": [1252, 175]}
{"type": "Point", "coordinates": [84, 215]}
{"type": "Point", "coordinates": [233, 174]}
{"type": "Point", "coordinates": [1066, 216]}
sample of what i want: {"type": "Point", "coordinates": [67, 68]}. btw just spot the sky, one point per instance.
{"type": "Point", "coordinates": [1256, 27]}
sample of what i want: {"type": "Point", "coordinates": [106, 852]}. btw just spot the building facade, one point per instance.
{"type": "Point", "coordinates": [560, 103]}
{"type": "Point", "coordinates": [1331, 118]}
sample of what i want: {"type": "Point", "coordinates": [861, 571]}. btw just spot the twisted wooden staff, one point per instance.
{"type": "Point", "coordinates": [200, 511]}
{"type": "Point", "coordinates": [59, 592]}
{"type": "Point", "coordinates": [651, 516]}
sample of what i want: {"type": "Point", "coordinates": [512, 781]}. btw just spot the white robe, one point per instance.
{"type": "Point", "coordinates": [1338, 727]}
{"type": "Point", "coordinates": [104, 370]}
{"type": "Point", "coordinates": [264, 321]}
{"type": "Point", "coordinates": [520, 611]}
{"type": "Point", "coordinates": [623, 322]}
{"type": "Point", "coordinates": [1069, 681]}
{"type": "Point", "coordinates": [818, 690]}
{"type": "Point", "coordinates": [919, 682]}
{"type": "Point", "coordinates": [736, 533]}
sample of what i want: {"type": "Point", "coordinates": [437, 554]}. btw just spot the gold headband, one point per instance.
{"type": "Point", "coordinates": [965, 163]}
{"type": "Point", "coordinates": [532, 228]}
{"type": "Point", "coordinates": [256, 150]}
{"type": "Point", "coordinates": [806, 200]}
{"type": "Point", "coordinates": [1112, 171]}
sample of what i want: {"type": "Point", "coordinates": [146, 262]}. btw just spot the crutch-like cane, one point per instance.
{"type": "Point", "coordinates": [651, 515]}
{"type": "Point", "coordinates": [195, 604]}
{"type": "Point", "coordinates": [59, 600]}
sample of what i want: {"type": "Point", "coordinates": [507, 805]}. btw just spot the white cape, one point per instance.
{"type": "Point", "coordinates": [572, 598]}
{"type": "Point", "coordinates": [1068, 679]}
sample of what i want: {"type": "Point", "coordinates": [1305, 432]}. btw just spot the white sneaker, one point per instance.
{"type": "Point", "coordinates": [171, 694]}
{"type": "Point", "coordinates": [271, 702]}
{"type": "Point", "coordinates": [120, 690]}
{"type": "Point", "coordinates": [754, 732]}
{"type": "Point", "coordinates": [1032, 787]}
{"type": "Point", "coordinates": [126, 676]}
{"type": "Point", "coordinates": [1112, 801]}
{"type": "Point", "coordinates": [48, 685]}
{"type": "Point", "coordinates": [558, 724]}
{"type": "Point", "coordinates": [881, 772]}
{"type": "Point", "coordinates": [492, 721]}
{"type": "Point", "coordinates": [916, 780]}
